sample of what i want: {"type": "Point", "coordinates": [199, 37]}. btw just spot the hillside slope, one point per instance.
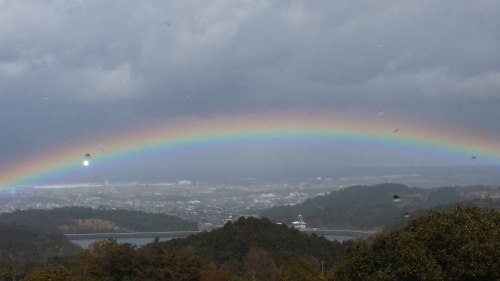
{"type": "Point", "coordinates": [87, 220]}
{"type": "Point", "coordinates": [364, 207]}
{"type": "Point", "coordinates": [237, 244]}
{"type": "Point", "coordinates": [23, 248]}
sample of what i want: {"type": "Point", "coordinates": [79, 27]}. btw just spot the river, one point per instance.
{"type": "Point", "coordinates": [141, 241]}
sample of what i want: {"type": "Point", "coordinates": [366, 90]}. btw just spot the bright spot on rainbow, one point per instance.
{"type": "Point", "coordinates": [86, 161]}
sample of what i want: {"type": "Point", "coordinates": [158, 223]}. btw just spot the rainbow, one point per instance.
{"type": "Point", "coordinates": [198, 135]}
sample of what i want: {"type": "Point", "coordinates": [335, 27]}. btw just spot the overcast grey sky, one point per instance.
{"type": "Point", "coordinates": [69, 69]}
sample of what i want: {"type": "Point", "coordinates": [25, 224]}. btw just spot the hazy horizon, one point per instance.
{"type": "Point", "coordinates": [277, 89]}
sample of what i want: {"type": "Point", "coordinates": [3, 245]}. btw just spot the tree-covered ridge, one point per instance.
{"type": "Point", "coordinates": [88, 220]}
{"type": "Point", "coordinates": [483, 204]}
{"type": "Point", "coordinates": [248, 249]}
{"type": "Point", "coordinates": [366, 207]}
{"type": "Point", "coordinates": [462, 244]}
{"type": "Point", "coordinates": [249, 241]}
{"type": "Point", "coordinates": [23, 248]}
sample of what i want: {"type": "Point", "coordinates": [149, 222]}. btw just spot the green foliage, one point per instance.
{"type": "Point", "coordinates": [484, 204]}
{"type": "Point", "coordinates": [23, 248]}
{"type": "Point", "coordinates": [52, 220]}
{"type": "Point", "coordinates": [232, 244]}
{"type": "Point", "coordinates": [299, 270]}
{"type": "Point", "coordinates": [50, 273]}
{"type": "Point", "coordinates": [27, 242]}
{"type": "Point", "coordinates": [355, 207]}
{"type": "Point", "coordinates": [106, 260]}
{"type": "Point", "coordinates": [109, 260]}
{"type": "Point", "coordinates": [463, 244]}
{"type": "Point", "coordinates": [363, 207]}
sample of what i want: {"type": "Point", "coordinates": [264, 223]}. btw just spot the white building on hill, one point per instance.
{"type": "Point", "coordinates": [300, 224]}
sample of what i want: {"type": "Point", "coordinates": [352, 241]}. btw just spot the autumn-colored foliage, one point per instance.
{"type": "Point", "coordinates": [463, 244]}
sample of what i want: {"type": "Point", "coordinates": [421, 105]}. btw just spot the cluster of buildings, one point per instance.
{"type": "Point", "coordinates": [211, 205]}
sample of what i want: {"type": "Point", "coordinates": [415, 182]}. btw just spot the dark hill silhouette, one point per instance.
{"type": "Point", "coordinates": [231, 244]}
{"type": "Point", "coordinates": [23, 248]}
{"type": "Point", "coordinates": [88, 220]}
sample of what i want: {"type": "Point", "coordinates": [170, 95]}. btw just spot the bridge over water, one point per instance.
{"type": "Point", "coordinates": [182, 234]}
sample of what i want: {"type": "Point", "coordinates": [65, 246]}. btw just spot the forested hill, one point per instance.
{"type": "Point", "coordinates": [482, 204]}
{"type": "Point", "coordinates": [88, 220]}
{"type": "Point", "coordinates": [23, 248]}
{"type": "Point", "coordinates": [368, 207]}
{"type": "Point", "coordinates": [259, 243]}
{"type": "Point", "coordinates": [462, 244]}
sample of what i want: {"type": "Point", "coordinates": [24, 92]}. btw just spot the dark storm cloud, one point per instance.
{"type": "Point", "coordinates": [94, 64]}
{"type": "Point", "coordinates": [255, 51]}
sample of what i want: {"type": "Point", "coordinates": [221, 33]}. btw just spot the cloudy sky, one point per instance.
{"type": "Point", "coordinates": [75, 69]}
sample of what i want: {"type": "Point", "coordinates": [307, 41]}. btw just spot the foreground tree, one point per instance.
{"type": "Point", "coordinates": [105, 260]}
{"type": "Point", "coordinates": [259, 263]}
{"type": "Point", "coordinates": [463, 244]}
{"type": "Point", "coordinates": [110, 260]}
{"type": "Point", "coordinates": [53, 273]}
{"type": "Point", "coordinates": [254, 246]}
{"type": "Point", "coordinates": [300, 269]}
